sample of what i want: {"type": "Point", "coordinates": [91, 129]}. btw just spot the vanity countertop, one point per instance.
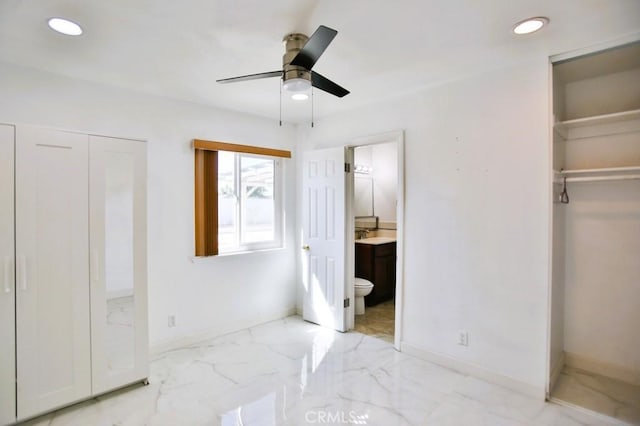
{"type": "Point", "coordinates": [376, 240]}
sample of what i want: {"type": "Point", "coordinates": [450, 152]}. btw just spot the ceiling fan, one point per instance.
{"type": "Point", "coordinates": [301, 54]}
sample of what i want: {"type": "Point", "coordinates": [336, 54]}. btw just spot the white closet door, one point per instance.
{"type": "Point", "coordinates": [7, 289]}
{"type": "Point", "coordinates": [52, 271]}
{"type": "Point", "coordinates": [119, 341]}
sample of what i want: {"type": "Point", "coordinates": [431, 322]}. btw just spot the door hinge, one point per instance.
{"type": "Point", "coordinates": [346, 303]}
{"type": "Point", "coordinates": [347, 168]}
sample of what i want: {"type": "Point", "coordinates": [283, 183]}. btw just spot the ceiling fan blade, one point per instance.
{"type": "Point", "coordinates": [314, 47]}
{"type": "Point", "coordinates": [327, 85]}
{"type": "Point", "coordinates": [251, 77]}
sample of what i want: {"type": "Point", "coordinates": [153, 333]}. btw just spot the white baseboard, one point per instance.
{"type": "Point", "coordinates": [197, 337]}
{"type": "Point", "coordinates": [603, 368]}
{"type": "Point", "coordinates": [556, 370]}
{"type": "Point", "coordinates": [475, 370]}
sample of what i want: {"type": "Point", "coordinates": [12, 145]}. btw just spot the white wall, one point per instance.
{"type": "Point", "coordinates": [383, 159]}
{"type": "Point", "coordinates": [385, 175]}
{"type": "Point", "coordinates": [364, 184]}
{"type": "Point", "coordinates": [219, 295]}
{"type": "Point", "coordinates": [556, 311]}
{"type": "Point", "coordinates": [556, 329]}
{"type": "Point", "coordinates": [477, 165]}
{"type": "Point", "coordinates": [602, 294]}
{"type": "Point", "coordinates": [602, 95]}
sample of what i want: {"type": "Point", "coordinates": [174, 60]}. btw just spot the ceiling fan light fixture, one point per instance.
{"type": "Point", "coordinates": [530, 25]}
{"type": "Point", "coordinates": [296, 85]}
{"type": "Point", "coordinates": [64, 26]}
{"type": "Point", "coordinates": [299, 96]}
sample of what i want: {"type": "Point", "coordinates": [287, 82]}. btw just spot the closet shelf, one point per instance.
{"type": "Point", "coordinates": [563, 127]}
{"type": "Point", "coordinates": [601, 174]}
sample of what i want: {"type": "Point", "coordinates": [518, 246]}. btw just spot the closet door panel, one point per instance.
{"type": "Point", "coordinates": [118, 268]}
{"type": "Point", "coordinates": [52, 305]}
{"type": "Point", "coordinates": [7, 269]}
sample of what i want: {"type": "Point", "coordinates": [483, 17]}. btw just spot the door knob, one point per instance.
{"type": "Point", "coordinates": [306, 247]}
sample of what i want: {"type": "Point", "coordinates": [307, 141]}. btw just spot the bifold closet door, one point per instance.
{"type": "Point", "coordinates": [52, 270]}
{"type": "Point", "coordinates": [7, 269]}
{"type": "Point", "coordinates": [119, 342]}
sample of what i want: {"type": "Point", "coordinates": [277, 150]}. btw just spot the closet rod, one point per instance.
{"type": "Point", "coordinates": [602, 178]}
{"type": "Point", "coordinates": [611, 170]}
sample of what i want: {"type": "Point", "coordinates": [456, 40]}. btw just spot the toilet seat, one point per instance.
{"type": "Point", "coordinates": [361, 282]}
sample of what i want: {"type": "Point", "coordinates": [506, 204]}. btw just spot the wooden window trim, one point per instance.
{"type": "Point", "coordinates": [199, 144]}
{"type": "Point", "coordinates": [206, 188]}
{"type": "Point", "coordinates": [206, 202]}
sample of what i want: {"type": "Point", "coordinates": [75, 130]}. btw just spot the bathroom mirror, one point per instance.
{"type": "Point", "coordinates": [363, 196]}
{"type": "Point", "coordinates": [119, 268]}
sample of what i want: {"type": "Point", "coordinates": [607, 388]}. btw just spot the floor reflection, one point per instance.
{"type": "Point", "coordinates": [291, 372]}
{"type": "Point", "coordinates": [120, 337]}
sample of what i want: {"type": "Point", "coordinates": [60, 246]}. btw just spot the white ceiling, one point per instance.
{"type": "Point", "coordinates": [178, 49]}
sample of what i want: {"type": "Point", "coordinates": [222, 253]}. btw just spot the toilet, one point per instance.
{"type": "Point", "coordinates": [362, 288]}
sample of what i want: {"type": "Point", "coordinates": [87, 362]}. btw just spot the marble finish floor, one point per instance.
{"type": "Point", "coordinates": [290, 372]}
{"type": "Point", "coordinates": [610, 397]}
{"type": "Point", "coordinates": [378, 321]}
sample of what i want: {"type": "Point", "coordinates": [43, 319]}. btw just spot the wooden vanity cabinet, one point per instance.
{"type": "Point", "coordinates": [377, 263]}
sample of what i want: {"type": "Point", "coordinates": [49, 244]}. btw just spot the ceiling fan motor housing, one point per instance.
{"type": "Point", "coordinates": [293, 43]}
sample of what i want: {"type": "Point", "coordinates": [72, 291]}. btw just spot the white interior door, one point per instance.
{"type": "Point", "coordinates": [323, 237]}
{"type": "Point", "coordinates": [52, 270]}
{"type": "Point", "coordinates": [119, 343]}
{"type": "Point", "coordinates": [7, 269]}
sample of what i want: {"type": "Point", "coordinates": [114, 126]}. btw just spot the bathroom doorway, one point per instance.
{"type": "Point", "coordinates": [376, 206]}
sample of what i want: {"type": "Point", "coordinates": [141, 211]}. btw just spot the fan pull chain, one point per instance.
{"type": "Point", "coordinates": [281, 102]}
{"type": "Point", "coordinates": [312, 106]}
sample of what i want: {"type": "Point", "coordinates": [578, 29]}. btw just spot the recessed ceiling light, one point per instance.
{"type": "Point", "coordinates": [530, 25]}
{"type": "Point", "coordinates": [299, 96]}
{"type": "Point", "coordinates": [65, 26]}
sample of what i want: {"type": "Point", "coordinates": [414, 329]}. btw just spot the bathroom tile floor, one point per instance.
{"type": "Point", "coordinates": [378, 321]}
{"type": "Point", "coordinates": [290, 372]}
{"type": "Point", "coordinates": [597, 393]}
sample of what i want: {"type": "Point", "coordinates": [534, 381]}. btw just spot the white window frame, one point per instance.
{"type": "Point", "coordinates": [278, 205]}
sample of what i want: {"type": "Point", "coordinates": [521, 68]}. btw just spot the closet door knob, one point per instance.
{"type": "Point", "coordinates": [306, 247]}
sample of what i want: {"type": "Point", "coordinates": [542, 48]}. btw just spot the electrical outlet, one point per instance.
{"type": "Point", "coordinates": [463, 337]}
{"type": "Point", "coordinates": [171, 321]}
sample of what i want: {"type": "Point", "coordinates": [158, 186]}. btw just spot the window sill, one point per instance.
{"type": "Point", "coordinates": [206, 259]}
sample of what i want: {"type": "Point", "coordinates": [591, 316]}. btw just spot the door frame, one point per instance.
{"type": "Point", "coordinates": [396, 137]}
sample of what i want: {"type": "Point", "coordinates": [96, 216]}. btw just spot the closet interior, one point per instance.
{"type": "Point", "coordinates": [595, 307]}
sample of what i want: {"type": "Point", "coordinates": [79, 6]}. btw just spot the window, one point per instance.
{"type": "Point", "coordinates": [239, 200]}
{"type": "Point", "coordinates": [248, 208]}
